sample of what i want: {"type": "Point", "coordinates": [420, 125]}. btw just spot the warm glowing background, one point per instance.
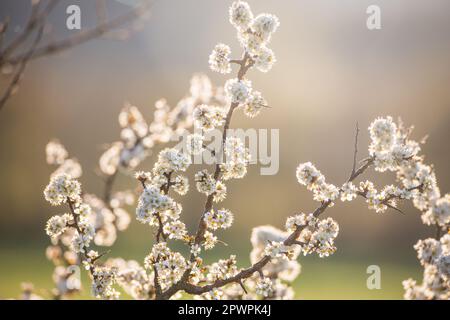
{"type": "Point", "coordinates": [331, 72]}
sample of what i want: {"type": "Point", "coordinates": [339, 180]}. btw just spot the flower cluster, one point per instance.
{"type": "Point", "coordinates": [281, 267]}
{"type": "Point", "coordinates": [57, 155]}
{"type": "Point", "coordinates": [390, 146]}
{"type": "Point", "coordinates": [208, 117]}
{"type": "Point", "coordinates": [434, 255]}
{"type": "Point", "coordinates": [168, 265]}
{"type": "Point", "coordinates": [155, 206]}
{"type": "Point", "coordinates": [314, 180]}
{"type": "Point", "coordinates": [219, 59]}
{"type": "Point", "coordinates": [75, 230]}
{"type": "Point", "coordinates": [264, 287]}
{"type": "Point", "coordinates": [153, 203]}
{"type": "Point", "coordinates": [237, 158]}
{"type": "Point", "coordinates": [56, 225]}
{"type": "Point", "coordinates": [219, 219]}
{"type": "Point", "coordinates": [102, 284]}
{"type": "Point", "coordinates": [315, 235]}
{"type": "Point", "coordinates": [166, 271]}
{"type": "Point", "coordinates": [138, 136]}
{"type": "Point", "coordinates": [254, 33]}
{"type": "Point", "coordinates": [61, 189]}
{"type": "Point", "coordinates": [108, 220]}
{"type": "Point", "coordinates": [133, 278]}
{"type": "Point", "coordinates": [205, 182]}
{"type": "Point", "coordinates": [223, 269]}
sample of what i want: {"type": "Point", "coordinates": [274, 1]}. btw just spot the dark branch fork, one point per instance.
{"type": "Point", "coordinates": [13, 56]}
{"type": "Point", "coordinates": [184, 285]}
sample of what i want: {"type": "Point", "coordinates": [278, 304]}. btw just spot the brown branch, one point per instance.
{"type": "Point", "coordinates": [100, 8]}
{"type": "Point", "coordinates": [184, 285]}
{"type": "Point", "coordinates": [362, 194]}
{"type": "Point", "coordinates": [158, 290]}
{"type": "Point", "coordinates": [355, 153]}
{"type": "Point", "coordinates": [3, 28]}
{"type": "Point", "coordinates": [21, 68]}
{"type": "Point", "coordinates": [391, 197]}
{"type": "Point", "coordinates": [245, 64]}
{"type": "Point", "coordinates": [368, 163]}
{"type": "Point", "coordinates": [36, 20]}
{"type": "Point", "coordinates": [87, 35]}
{"type": "Point", "coordinates": [438, 232]}
{"type": "Point", "coordinates": [109, 183]}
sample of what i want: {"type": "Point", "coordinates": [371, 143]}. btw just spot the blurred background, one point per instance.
{"type": "Point", "coordinates": [331, 73]}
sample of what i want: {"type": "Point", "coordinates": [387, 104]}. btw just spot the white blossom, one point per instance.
{"type": "Point", "coordinates": [220, 192]}
{"type": "Point", "coordinates": [194, 143]}
{"type": "Point", "coordinates": [218, 219]}
{"type": "Point", "coordinates": [264, 25]}
{"type": "Point", "coordinates": [349, 191]}
{"type": "Point", "coordinates": [56, 225]}
{"type": "Point", "coordinates": [238, 90]}
{"type": "Point", "coordinates": [61, 188]}
{"type": "Point", "coordinates": [264, 59]}
{"type": "Point", "coordinates": [181, 185]}
{"type": "Point", "coordinates": [205, 182]}
{"type": "Point", "coordinates": [150, 202]}
{"type": "Point", "coordinates": [219, 59]}
{"type": "Point", "coordinates": [175, 229]}
{"type": "Point", "coordinates": [264, 287]}
{"type": "Point", "coordinates": [56, 153]}
{"type": "Point", "coordinates": [240, 15]}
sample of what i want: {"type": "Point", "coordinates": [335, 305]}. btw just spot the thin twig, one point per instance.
{"type": "Point", "coordinates": [355, 153]}
{"type": "Point", "coordinates": [16, 79]}
{"type": "Point", "coordinates": [257, 267]}
{"type": "Point", "coordinates": [87, 35]}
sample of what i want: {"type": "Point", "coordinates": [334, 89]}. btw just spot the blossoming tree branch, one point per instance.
{"type": "Point", "coordinates": [167, 273]}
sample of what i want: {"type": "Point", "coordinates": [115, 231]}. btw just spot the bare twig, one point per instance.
{"type": "Point", "coordinates": [18, 75]}
{"type": "Point", "coordinates": [355, 153]}
{"type": "Point", "coordinates": [3, 28]}
{"type": "Point", "coordinates": [438, 232]}
{"type": "Point", "coordinates": [85, 36]}
{"type": "Point", "coordinates": [184, 285]}
{"type": "Point", "coordinates": [14, 56]}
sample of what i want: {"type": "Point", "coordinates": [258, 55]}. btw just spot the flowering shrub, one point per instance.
{"type": "Point", "coordinates": [165, 272]}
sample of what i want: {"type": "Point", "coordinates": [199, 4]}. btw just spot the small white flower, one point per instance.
{"type": "Point", "coordinates": [194, 143]}
{"type": "Point", "coordinates": [175, 229]}
{"type": "Point", "coordinates": [56, 225]}
{"type": "Point", "coordinates": [220, 192]}
{"type": "Point", "coordinates": [181, 185]}
{"type": "Point", "coordinates": [219, 59]}
{"type": "Point", "coordinates": [255, 104]}
{"type": "Point", "coordinates": [238, 90]}
{"type": "Point", "coordinates": [205, 182]}
{"type": "Point", "coordinates": [61, 188]}
{"type": "Point", "coordinates": [348, 192]}
{"type": "Point", "coordinates": [196, 249]}
{"type": "Point", "coordinates": [56, 153]}
{"type": "Point", "coordinates": [220, 219]}
{"type": "Point", "coordinates": [264, 25]}
{"type": "Point", "coordinates": [240, 15]}
{"type": "Point", "coordinates": [264, 59]}
{"type": "Point", "coordinates": [264, 287]}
